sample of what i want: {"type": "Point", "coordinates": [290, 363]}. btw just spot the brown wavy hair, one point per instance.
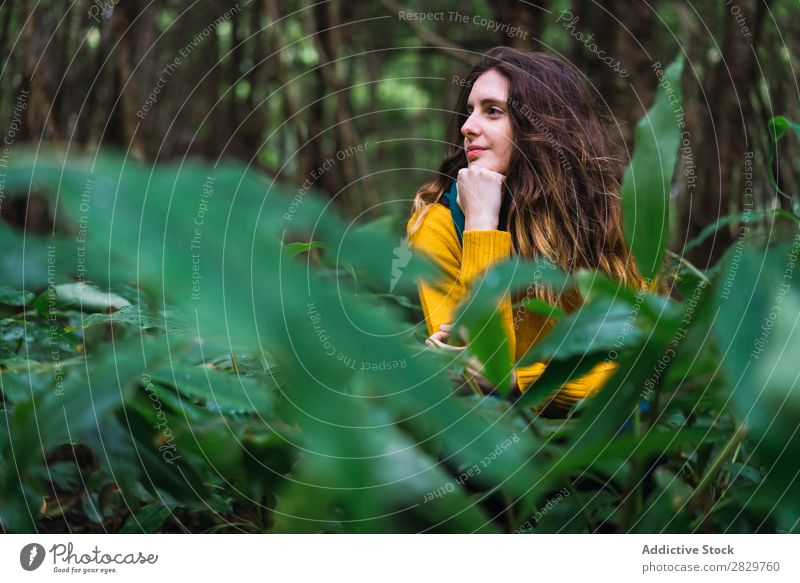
{"type": "Point", "coordinates": [563, 177]}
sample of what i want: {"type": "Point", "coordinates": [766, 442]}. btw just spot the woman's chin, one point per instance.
{"type": "Point", "coordinates": [488, 164]}
{"type": "Point", "coordinates": [480, 163]}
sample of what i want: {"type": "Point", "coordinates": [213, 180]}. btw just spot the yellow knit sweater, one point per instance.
{"type": "Point", "coordinates": [437, 238]}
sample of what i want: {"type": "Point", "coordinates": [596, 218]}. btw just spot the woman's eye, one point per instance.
{"type": "Point", "coordinates": [491, 111]}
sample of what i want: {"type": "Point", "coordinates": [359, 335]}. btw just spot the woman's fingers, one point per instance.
{"type": "Point", "coordinates": [438, 339]}
{"type": "Point", "coordinates": [444, 346]}
{"type": "Point", "coordinates": [475, 365]}
{"type": "Point", "coordinates": [475, 370]}
{"type": "Point", "coordinates": [441, 336]}
{"type": "Point", "coordinates": [461, 333]}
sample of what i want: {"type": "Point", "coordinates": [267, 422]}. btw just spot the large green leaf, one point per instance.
{"type": "Point", "coordinates": [646, 184]}
{"type": "Point", "coordinates": [600, 326]}
{"type": "Point", "coordinates": [225, 391]}
{"type": "Point", "coordinates": [758, 330]}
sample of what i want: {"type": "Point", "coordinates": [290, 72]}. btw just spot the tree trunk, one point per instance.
{"type": "Point", "coordinates": [721, 137]}
{"type": "Point", "coordinates": [524, 21]}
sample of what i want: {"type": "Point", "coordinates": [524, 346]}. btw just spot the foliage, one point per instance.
{"type": "Point", "coordinates": [193, 350]}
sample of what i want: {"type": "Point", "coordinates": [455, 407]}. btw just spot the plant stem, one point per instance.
{"type": "Point", "coordinates": [732, 444]}
{"type": "Point", "coordinates": [717, 506]}
{"type": "Point", "coordinates": [587, 516]}
{"type": "Point", "coordinates": [733, 461]}
{"type": "Point", "coordinates": [474, 386]}
{"type": "Point", "coordinates": [691, 267]}
{"type": "Point", "coordinates": [638, 494]}
{"type": "Point", "coordinates": [511, 517]}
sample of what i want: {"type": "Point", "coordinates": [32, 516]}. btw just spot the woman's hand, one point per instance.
{"type": "Point", "coordinates": [474, 368]}
{"type": "Point", "coordinates": [480, 195]}
{"type": "Point", "coordinates": [439, 339]}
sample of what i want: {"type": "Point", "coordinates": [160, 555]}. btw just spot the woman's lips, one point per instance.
{"type": "Point", "coordinates": [473, 152]}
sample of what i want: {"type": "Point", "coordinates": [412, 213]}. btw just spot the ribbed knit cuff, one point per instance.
{"type": "Point", "coordinates": [561, 401]}
{"type": "Point", "coordinates": [481, 250]}
{"type": "Point", "coordinates": [526, 375]}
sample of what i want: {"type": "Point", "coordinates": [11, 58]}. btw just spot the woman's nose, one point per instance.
{"type": "Point", "coordinates": [470, 127]}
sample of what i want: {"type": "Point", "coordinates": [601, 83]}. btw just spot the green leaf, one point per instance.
{"type": "Point", "coordinates": [747, 216]}
{"type": "Point", "coordinates": [665, 511]}
{"type": "Point", "coordinates": [776, 127]}
{"type": "Point", "coordinates": [78, 295]}
{"type": "Point", "coordinates": [779, 124]}
{"type": "Point", "coordinates": [91, 507]}
{"type": "Point", "coordinates": [618, 450]}
{"type": "Point", "coordinates": [146, 520]}
{"type": "Point", "coordinates": [129, 315]}
{"type": "Point", "coordinates": [489, 343]}
{"type": "Point", "coordinates": [14, 297]}
{"type": "Point", "coordinates": [295, 249]}
{"type": "Point", "coordinates": [599, 326]}
{"type": "Point", "coordinates": [646, 184]}
{"type": "Point", "coordinates": [224, 391]}
{"type": "Point", "coordinates": [541, 307]}
{"type": "Point", "coordinates": [65, 474]}
{"type": "Point", "coordinates": [758, 332]}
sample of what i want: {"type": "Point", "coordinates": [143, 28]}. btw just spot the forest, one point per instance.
{"type": "Point", "coordinates": [209, 310]}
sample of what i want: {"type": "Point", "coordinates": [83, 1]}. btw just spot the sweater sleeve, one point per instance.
{"type": "Point", "coordinates": [439, 298]}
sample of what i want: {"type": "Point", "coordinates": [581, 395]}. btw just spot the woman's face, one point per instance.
{"type": "Point", "coordinates": [488, 136]}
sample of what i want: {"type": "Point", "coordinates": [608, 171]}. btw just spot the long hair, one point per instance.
{"type": "Point", "coordinates": [563, 177]}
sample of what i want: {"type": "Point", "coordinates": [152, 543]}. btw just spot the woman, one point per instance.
{"type": "Point", "coordinates": [530, 171]}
